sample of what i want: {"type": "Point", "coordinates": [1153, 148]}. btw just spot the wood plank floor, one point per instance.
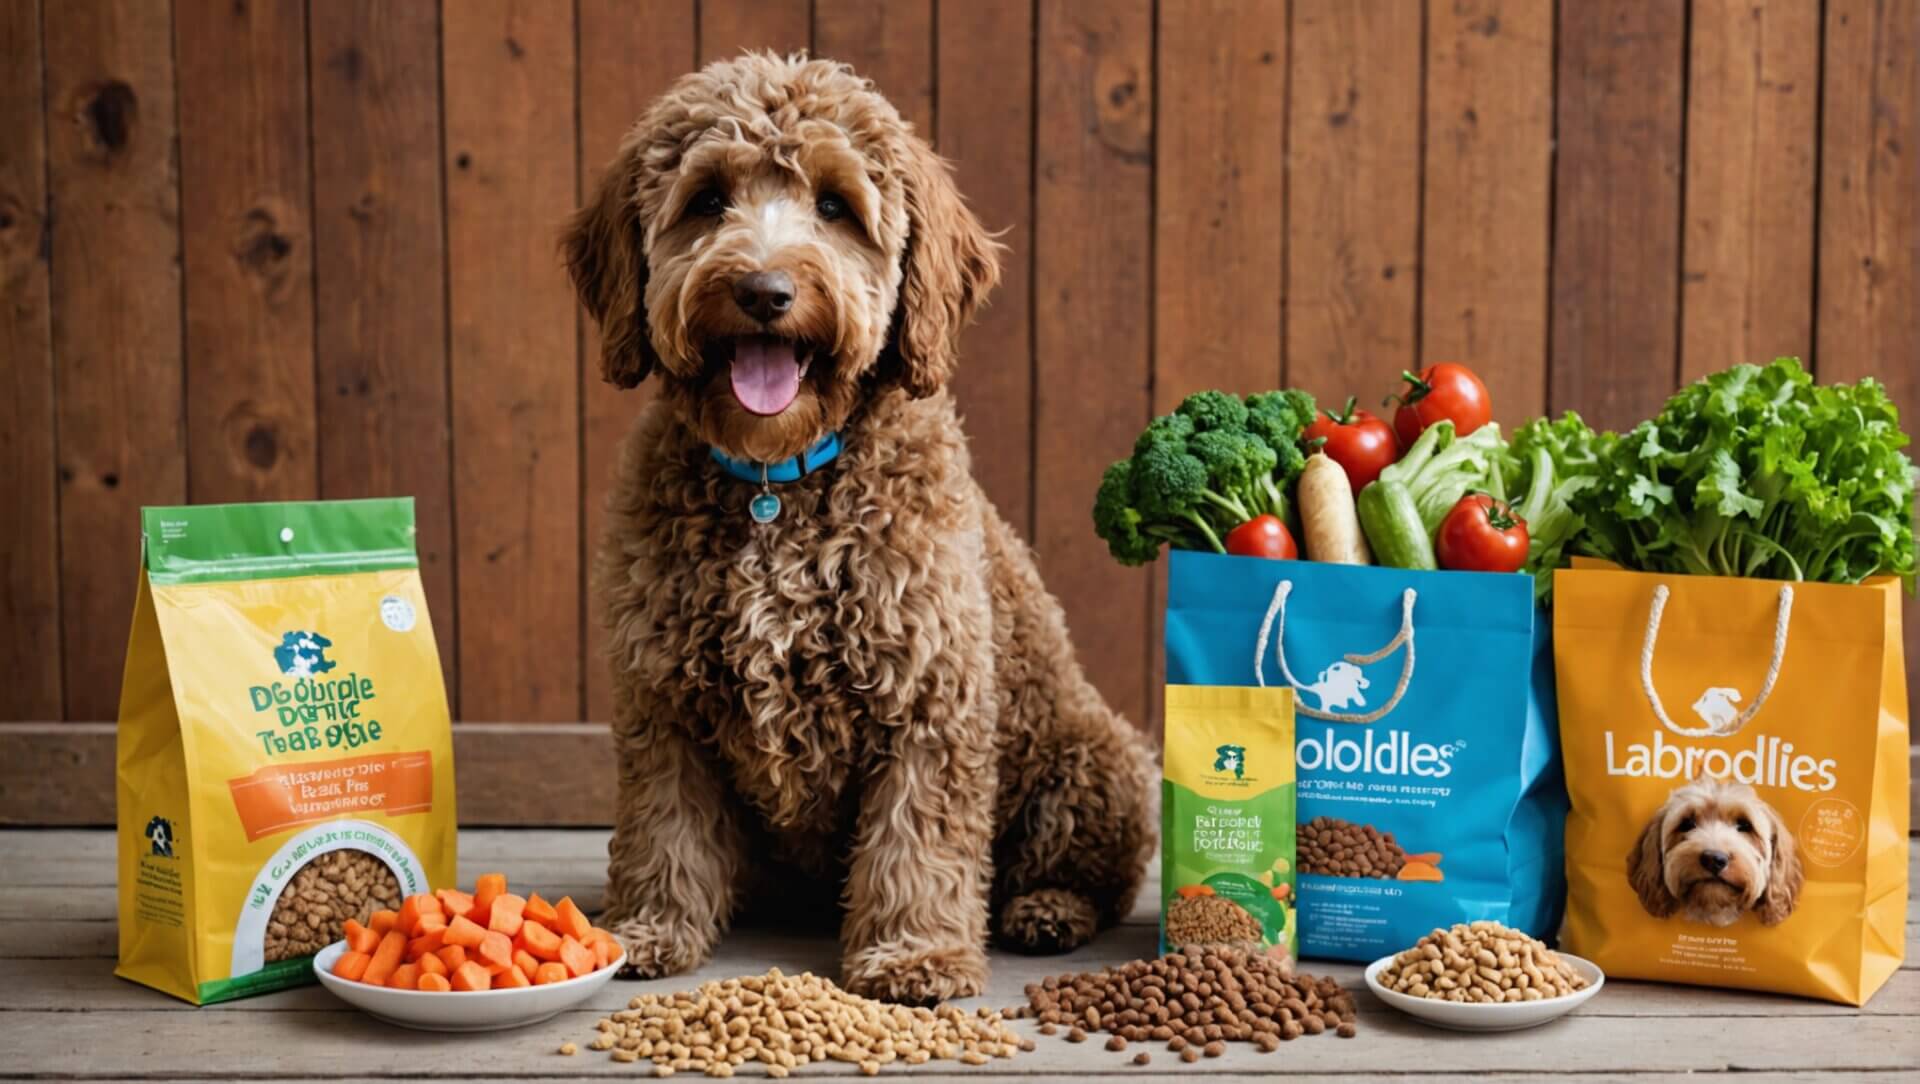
{"type": "Point", "coordinates": [64, 1016]}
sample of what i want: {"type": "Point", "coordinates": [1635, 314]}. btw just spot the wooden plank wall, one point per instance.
{"type": "Point", "coordinates": [282, 249]}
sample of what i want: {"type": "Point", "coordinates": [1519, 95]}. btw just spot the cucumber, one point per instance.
{"type": "Point", "coordinates": [1392, 523]}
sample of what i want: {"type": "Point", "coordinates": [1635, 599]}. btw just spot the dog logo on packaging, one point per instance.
{"type": "Point", "coordinates": [160, 836]}
{"type": "Point", "coordinates": [1718, 707]}
{"type": "Point", "coordinates": [1231, 758]}
{"type": "Point", "coordinates": [1339, 686]}
{"type": "Point", "coordinates": [303, 654]}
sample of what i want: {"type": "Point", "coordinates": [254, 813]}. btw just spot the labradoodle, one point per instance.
{"type": "Point", "coordinates": [1714, 851]}
{"type": "Point", "coordinates": [870, 695]}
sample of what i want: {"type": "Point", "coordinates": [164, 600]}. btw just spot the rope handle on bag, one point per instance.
{"type": "Point", "coordinates": [1658, 607]}
{"type": "Point", "coordinates": [1275, 623]}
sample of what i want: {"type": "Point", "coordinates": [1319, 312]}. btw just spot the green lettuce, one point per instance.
{"type": "Point", "coordinates": [1758, 471]}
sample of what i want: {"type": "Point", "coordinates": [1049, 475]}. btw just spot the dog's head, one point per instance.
{"type": "Point", "coordinates": [777, 243]}
{"type": "Point", "coordinates": [1714, 851]}
{"type": "Point", "coordinates": [1344, 675]}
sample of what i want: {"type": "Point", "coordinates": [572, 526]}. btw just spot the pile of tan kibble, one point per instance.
{"type": "Point", "coordinates": [1194, 1002]}
{"type": "Point", "coordinates": [1210, 920]}
{"type": "Point", "coordinates": [322, 896]}
{"type": "Point", "coordinates": [1482, 962]}
{"type": "Point", "coordinates": [785, 1022]}
{"type": "Point", "coordinates": [1331, 847]}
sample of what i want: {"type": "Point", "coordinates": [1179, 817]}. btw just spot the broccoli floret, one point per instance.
{"type": "Point", "coordinates": [1199, 472]}
{"type": "Point", "coordinates": [1278, 417]}
{"type": "Point", "coordinates": [1213, 411]}
{"type": "Point", "coordinates": [1118, 521]}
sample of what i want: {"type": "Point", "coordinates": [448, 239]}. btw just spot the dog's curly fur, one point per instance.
{"type": "Point", "coordinates": [873, 696]}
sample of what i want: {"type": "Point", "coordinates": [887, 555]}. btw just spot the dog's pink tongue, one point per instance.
{"type": "Point", "coordinates": [766, 376]}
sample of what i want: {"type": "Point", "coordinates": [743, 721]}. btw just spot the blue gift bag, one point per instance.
{"type": "Point", "coordinates": [1426, 747]}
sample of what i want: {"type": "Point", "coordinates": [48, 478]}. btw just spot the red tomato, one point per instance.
{"type": "Point", "coordinates": [1481, 535]}
{"type": "Point", "coordinates": [1361, 443]}
{"type": "Point", "coordinates": [1446, 392]}
{"type": "Point", "coordinates": [1263, 536]}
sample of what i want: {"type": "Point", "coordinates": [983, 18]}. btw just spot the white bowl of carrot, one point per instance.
{"type": "Point", "coordinates": [453, 961]}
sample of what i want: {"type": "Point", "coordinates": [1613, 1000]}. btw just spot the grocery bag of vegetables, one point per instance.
{"type": "Point", "coordinates": [1428, 780]}
{"type": "Point", "coordinates": [1733, 702]}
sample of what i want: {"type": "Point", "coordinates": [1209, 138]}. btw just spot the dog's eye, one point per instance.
{"type": "Point", "coordinates": [831, 207]}
{"type": "Point", "coordinates": [1685, 825]}
{"type": "Point", "coordinates": [708, 203]}
{"type": "Point", "coordinates": [1744, 825]}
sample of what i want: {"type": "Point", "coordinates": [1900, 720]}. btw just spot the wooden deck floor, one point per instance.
{"type": "Point", "coordinates": [64, 1015]}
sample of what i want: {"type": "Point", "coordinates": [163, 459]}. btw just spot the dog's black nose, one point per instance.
{"type": "Point", "coordinates": [764, 295]}
{"type": "Point", "coordinates": [1713, 861]}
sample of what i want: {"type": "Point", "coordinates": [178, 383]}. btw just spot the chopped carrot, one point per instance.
{"type": "Point", "coordinates": [525, 962]}
{"type": "Point", "coordinates": [453, 956]}
{"type": "Point", "coordinates": [485, 888]}
{"type": "Point", "coordinates": [465, 932]}
{"type": "Point", "coordinates": [393, 945]}
{"type": "Point", "coordinates": [573, 921]}
{"type": "Point", "coordinates": [577, 957]}
{"type": "Point", "coordinates": [359, 938]}
{"type": "Point", "coordinates": [471, 976]}
{"type": "Point", "coordinates": [510, 978]}
{"type": "Point", "coordinates": [420, 903]}
{"type": "Point", "coordinates": [429, 922]}
{"type": "Point", "coordinates": [539, 941]}
{"type": "Point", "coordinates": [351, 965]}
{"type": "Point", "coordinates": [405, 977]}
{"type": "Point", "coordinates": [496, 951]}
{"type": "Point", "coordinates": [431, 964]}
{"type": "Point", "coordinates": [383, 920]}
{"type": "Point", "coordinates": [425, 943]}
{"type": "Point", "coordinates": [605, 952]}
{"type": "Point", "coordinates": [550, 973]}
{"type": "Point", "coordinates": [539, 910]}
{"type": "Point", "coordinates": [435, 983]}
{"type": "Point", "coordinates": [454, 902]}
{"type": "Point", "coordinates": [506, 913]}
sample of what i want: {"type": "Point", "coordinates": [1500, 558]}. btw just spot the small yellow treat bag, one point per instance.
{"type": "Point", "coordinates": [285, 761]}
{"type": "Point", "coordinates": [1736, 754]}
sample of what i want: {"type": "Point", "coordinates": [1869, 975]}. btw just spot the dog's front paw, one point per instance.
{"type": "Point", "coordinates": [916, 977]}
{"type": "Point", "coordinates": [658, 949]}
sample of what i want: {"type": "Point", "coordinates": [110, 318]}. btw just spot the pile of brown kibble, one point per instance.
{"type": "Point", "coordinates": [1481, 961]}
{"type": "Point", "coordinates": [1195, 1002]}
{"type": "Point", "coordinates": [1210, 920]}
{"type": "Point", "coordinates": [1331, 847]}
{"type": "Point", "coordinates": [785, 1022]}
{"type": "Point", "coordinates": [323, 895]}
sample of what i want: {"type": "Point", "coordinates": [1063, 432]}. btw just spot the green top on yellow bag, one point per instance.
{"type": "Point", "coordinates": [212, 543]}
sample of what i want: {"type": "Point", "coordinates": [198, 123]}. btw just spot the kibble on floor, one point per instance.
{"type": "Point", "coordinates": [1196, 1002]}
{"type": "Point", "coordinates": [784, 1022]}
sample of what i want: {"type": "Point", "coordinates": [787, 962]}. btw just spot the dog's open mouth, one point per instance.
{"type": "Point", "coordinates": [765, 371]}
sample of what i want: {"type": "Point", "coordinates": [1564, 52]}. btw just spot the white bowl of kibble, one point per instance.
{"type": "Point", "coordinates": [1493, 961]}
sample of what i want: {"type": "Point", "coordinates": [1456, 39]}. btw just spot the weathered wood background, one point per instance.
{"type": "Point", "coordinates": [257, 249]}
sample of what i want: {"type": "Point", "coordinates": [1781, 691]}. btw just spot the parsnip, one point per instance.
{"type": "Point", "coordinates": [1327, 517]}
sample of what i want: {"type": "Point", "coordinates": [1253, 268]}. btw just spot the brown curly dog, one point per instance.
{"type": "Point", "coordinates": [872, 696]}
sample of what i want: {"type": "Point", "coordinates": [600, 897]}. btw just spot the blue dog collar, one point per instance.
{"type": "Point", "coordinates": [787, 470]}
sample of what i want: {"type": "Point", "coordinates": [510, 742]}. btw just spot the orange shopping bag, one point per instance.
{"type": "Point", "coordinates": [1736, 756]}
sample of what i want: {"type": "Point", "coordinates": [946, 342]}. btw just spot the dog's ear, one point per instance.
{"type": "Point", "coordinates": [609, 271]}
{"type": "Point", "coordinates": [1646, 870]}
{"type": "Point", "coordinates": [950, 266]}
{"type": "Point", "coordinates": [1784, 875]}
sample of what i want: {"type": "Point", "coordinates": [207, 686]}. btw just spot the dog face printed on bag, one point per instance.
{"type": "Point", "coordinates": [1231, 758]}
{"type": "Point", "coordinates": [1714, 851]}
{"type": "Point", "coordinates": [160, 835]}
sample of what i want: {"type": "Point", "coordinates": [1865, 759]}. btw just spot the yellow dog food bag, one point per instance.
{"type": "Point", "coordinates": [1736, 755]}
{"type": "Point", "coordinates": [284, 755]}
